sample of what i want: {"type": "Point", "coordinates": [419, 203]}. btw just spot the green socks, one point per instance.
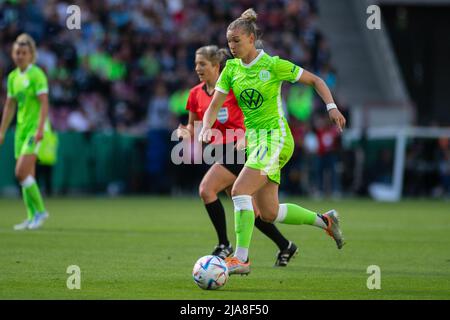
{"type": "Point", "coordinates": [28, 204]}
{"type": "Point", "coordinates": [293, 214]}
{"type": "Point", "coordinates": [32, 196]}
{"type": "Point", "coordinates": [244, 220]}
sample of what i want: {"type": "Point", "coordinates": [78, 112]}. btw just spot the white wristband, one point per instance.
{"type": "Point", "coordinates": [331, 106]}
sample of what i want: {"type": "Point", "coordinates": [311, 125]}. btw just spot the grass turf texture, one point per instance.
{"type": "Point", "coordinates": [145, 248]}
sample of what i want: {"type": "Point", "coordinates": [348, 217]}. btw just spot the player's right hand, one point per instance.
{"type": "Point", "coordinates": [2, 138]}
{"type": "Point", "coordinates": [337, 117]}
{"type": "Point", "coordinates": [183, 132]}
{"type": "Point", "coordinates": [205, 135]}
{"type": "Point", "coordinates": [39, 136]}
{"type": "Point", "coordinates": [241, 144]}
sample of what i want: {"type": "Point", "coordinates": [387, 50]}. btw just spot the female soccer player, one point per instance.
{"type": "Point", "coordinates": [27, 88]}
{"type": "Point", "coordinates": [209, 60]}
{"type": "Point", "coordinates": [256, 78]}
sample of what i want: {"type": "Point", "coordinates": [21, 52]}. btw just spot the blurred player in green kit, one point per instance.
{"type": "Point", "coordinates": [28, 92]}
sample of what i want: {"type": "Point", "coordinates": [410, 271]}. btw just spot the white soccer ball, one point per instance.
{"type": "Point", "coordinates": [210, 272]}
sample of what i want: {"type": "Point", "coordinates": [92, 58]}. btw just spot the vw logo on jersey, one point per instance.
{"type": "Point", "coordinates": [251, 98]}
{"type": "Point", "coordinates": [25, 82]}
{"type": "Point", "coordinates": [264, 75]}
{"type": "Point", "coordinates": [222, 116]}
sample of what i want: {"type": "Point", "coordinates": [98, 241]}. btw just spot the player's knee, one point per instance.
{"type": "Point", "coordinates": [268, 216]}
{"type": "Point", "coordinates": [238, 191]}
{"type": "Point", "coordinates": [206, 192]}
{"type": "Point", "coordinates": [257, 212]}
{"type": "Point", "coordinates": [26, 181]}
{"type": "Point", "coordinates": [20, 174]}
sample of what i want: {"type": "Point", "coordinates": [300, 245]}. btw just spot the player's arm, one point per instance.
{"type": "Point", "coordinates": [8, 114]}
{"type": "Point", "coordinates": [211, 116]}
{"type": "Point", "coordinates": [192, 118]}
{"type": "Point", "coordinates": [324, 92]}
{"type": "Point", "coordinates": [187, 131]}
{"type": "Point", "coordinates": [43, 99]}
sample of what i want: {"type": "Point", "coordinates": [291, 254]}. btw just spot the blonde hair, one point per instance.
{"type": "Point", "coordinates": [25, 39]}
{"type": "Point", "coordinates": [214, 55]}
{"type": "Point", "coordinates": [246, 22]}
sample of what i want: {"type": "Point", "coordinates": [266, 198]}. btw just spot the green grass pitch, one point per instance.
{"type": "Point", "coordinates": [145, 248]}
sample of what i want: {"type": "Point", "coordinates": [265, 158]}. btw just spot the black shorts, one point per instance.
{"type": "Point", "coordinates": [235, 162]}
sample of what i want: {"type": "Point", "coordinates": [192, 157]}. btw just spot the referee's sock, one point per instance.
{"type": "Point", "coordinates": [217, 215]}
{"type": "Point", "coordinates": [272, 232]}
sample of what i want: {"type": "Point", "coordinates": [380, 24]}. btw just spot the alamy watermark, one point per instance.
{"type": "Point", "coordinates": [191, 151]}
{"type": "Point", "coordinates": [374, 280]}
{"type": "Point", "coordinates": [74, 280]}
{"type": "Point", "coordinates": [263, 150]}
{"type": "Point", "coordinates": [73, 20]}
{"type": "Point", "coordinates": [374, 20]}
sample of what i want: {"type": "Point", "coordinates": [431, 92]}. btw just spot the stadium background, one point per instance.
{"type": "Point", "coordinates": [118, 89]}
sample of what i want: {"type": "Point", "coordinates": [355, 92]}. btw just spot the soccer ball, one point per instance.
{"type": "Point", "coordinates": [210, 272]}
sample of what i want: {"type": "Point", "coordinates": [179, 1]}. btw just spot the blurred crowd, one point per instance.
{"type": "Point", "coordinates": [131, 65]}
{"type": "Point", "coordinates": [427, 168]}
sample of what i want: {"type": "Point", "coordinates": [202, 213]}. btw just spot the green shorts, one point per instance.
{"type": "Point", "coordinates": [269, 152]}
{"type": "Point", "coordinates": [46, 149]}
{"type": "Point", "coordinates": [25, 144]}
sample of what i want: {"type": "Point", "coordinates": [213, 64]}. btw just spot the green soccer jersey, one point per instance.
{"type": "Point", "coordinates": [257, 87]}
{"type": "Point", "coordinates": [25, 87]}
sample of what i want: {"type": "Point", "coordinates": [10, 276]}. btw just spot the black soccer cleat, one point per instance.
{"type": "Point", "coordinates": [285, 255]}
{"type": "Point", "coordinates": [223, 251]}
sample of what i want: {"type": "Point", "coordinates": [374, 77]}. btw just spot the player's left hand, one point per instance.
{"type": "Point", "coordinates": [337, 118]}
{"type": "Point", "coordinates": [39, 135]}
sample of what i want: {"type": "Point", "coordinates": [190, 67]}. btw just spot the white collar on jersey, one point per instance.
{"type": "Point", "coordinates": [26, 70]}
{"type": "Point", "coordinates": [260, 54]}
